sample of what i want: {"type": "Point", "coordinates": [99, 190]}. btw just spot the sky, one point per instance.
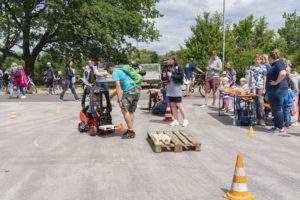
{"type": "Point", "coordinates": [179, 16]}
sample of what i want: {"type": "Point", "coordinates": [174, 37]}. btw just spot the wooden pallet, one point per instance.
{"type": "Point", "coordinates": [180, 141]}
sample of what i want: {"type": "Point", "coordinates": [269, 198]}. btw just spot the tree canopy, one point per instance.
{"type": "Point", "coordinates": [74, 28]}
{"type": "Point", "coordinates": [244, 39]}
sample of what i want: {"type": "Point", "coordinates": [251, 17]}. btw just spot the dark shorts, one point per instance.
{"type": "Point", "coordinates": [129, 101]}
{"type": "Point", "coordinates": [212, 84]}
{"type": "Point", "coordinates": [175, 99]}
{"type": "Point", "coordinates": [50, 83]}
{"type": "Point", "coordinates": [101, 86]}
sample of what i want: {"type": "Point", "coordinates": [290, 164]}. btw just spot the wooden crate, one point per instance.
{"type": "Point", "coordinates": [180, 141]}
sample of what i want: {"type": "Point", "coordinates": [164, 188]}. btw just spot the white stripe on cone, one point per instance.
{"type": "Point", "coordinates": [239, 172]}
{"type": "Point", "coordinates": [239, 187]}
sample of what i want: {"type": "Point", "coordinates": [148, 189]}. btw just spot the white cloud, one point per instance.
{"type": "Point", "coordinates": [179, 16]}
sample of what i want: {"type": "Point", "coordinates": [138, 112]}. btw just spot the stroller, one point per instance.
{"type": "Point", "coordinates": [245, 111]}
{"type": "Point", "coordinates": [95, 118]}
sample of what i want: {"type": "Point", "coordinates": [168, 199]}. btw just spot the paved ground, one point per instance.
{"type": "Point", "coordinates": [42, 156]}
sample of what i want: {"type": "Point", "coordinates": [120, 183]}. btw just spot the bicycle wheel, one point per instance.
{"type": "Point", "coordinates": [32, 89]}
{"type": "Point", "coordinates": [202, 89]}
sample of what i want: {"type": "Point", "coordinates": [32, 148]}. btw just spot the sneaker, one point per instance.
{"type": "Point", "coordinates": [273, 130]}
{"type": "Point", "coordinates": [185, 123]}
{"type": "Point", "coordinates": [129, 134]}
{"type": "Point", "coordinates": [61, 99]}
{"type": "Point", "coordinates": [203, 106]}
{"type": "Point", "coordinates": [174, 123]}
{"type": "Point", "coordinates": [23, 97]}
{"type": "Point", "coordinates": [281, 130]}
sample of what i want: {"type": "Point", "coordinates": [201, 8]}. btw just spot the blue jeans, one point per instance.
{"type": "Point", "coordinates": [287, 116]}
{"type": "Point", "coordinates": [69, 84]}
{"type": "Point", "coordinates": [276, 101]}
{"type": "Point", "coordinates": [259, 105]}
{"type": "Point", "coordinates": [11, 90]}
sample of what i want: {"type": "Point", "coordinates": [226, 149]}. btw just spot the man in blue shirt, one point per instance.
{"type": "Point", "coordinates": [189, 71]}
{"type": "Point", "coordinates": [128, 94]}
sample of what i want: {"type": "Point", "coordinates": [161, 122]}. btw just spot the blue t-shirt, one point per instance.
{"type": "Point", "coordinates": [125, 81]}
{"type": "Point", "coordinates": [273, 73]}
{"type": "Point", "coordinates": [189, 70]}
{"type": "Point", "coordinates": [268, 67]}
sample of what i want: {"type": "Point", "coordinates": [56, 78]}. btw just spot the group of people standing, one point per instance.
{"type": "Point", "coordinates": [17, 80]}
{"type": "Point", "coordinates": [275, 83]}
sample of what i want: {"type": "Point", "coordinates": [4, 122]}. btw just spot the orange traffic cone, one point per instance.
{"type": "Point", "coordinates": [239, 189]}
{"type": "Point", "coordinates": [57, 109]}
{"type": "Point", "coordinates": [13, 115]}
{"type": "Point", "coordinates": [168, 114]}
{"type": "Point", "coordinates": [251, 132]}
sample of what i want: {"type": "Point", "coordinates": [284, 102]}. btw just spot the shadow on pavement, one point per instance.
{"type": "Point", "coordinates": [284, 135]}
{"type": "Point", "coordinates": [294, 134]}
{"type": "Point", "coordinates": [224, 119]}
{"type": "Point", "coordinates": [158, 121]}
{"type": "Point", "coordinates": [197, 104]}
{"type": "Point", "coordinates": [224, 190]}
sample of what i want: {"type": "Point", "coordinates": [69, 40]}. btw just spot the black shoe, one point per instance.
{"type": "Point", "coordinates": [129, 134]}
{"type": "Point", "coordinates": [60, 98]}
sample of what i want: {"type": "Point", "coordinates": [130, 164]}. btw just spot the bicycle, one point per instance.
{"type": "Point", "coordinates": [31, 89]}
{"type": "Point", "coordinates": [198, 81]}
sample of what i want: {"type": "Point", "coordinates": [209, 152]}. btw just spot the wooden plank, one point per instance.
{"type": "Point", "coordinates": [157, 145]}
{"type": "Point", "coordinates": [174, 139]}
{"type": "Point", "coordinates": [160, 133]}
{"type": "Point", "coordinates": [185, 142]}
{"type": "Point", "coordinates": [192, 140]}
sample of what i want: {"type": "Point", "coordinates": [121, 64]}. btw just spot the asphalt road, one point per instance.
{"type": "Point", "coordinates": [42, 156]}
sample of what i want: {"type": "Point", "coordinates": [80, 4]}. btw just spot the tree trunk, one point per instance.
{"type": "Point", "coordinates": [29, 66]}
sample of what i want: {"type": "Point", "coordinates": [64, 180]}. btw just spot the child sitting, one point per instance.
{"type": "Point", "coordinates": [287, 107]}
{"type": "Point", "coordinates": [244, 87]}
{"type": "Point", "coordinates": [225, 85]}
{"type": "Point", "coordinates": [160, 107]}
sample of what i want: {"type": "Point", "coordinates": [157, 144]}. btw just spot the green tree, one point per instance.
{"type": "Point", "coordinates": [263, 37]}
{"type": "Point", "coordinates": [291, 31]}
{"type": "Point", "coordinates": [244, 33]}
{"type": "Point", "coordinates": [85, 28]}
{"type": "Point", "coordinates": [206, 36]}
{"type": "Point", "coordinates": [244, 40]}
{"type": "Point", "coordinates": [143, 56]}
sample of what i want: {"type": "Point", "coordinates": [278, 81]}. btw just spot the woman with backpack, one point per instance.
{"type": "Point", "coordinates": [69, 81]}
{"type": "Point", "coordinates": [17, 77]}
{"type": "Point", "coordinates": [174, 92]}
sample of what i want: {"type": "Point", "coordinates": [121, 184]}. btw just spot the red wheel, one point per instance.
{"type": "Point", "coordinates": [92, 131]}
{"type": "Point", "coordinates": [81, 127]}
